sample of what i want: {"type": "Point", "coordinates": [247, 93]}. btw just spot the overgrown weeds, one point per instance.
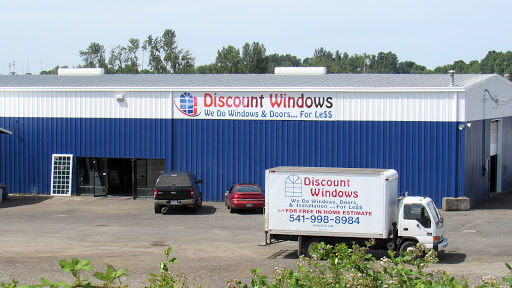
{"type": "Point", "coordinates": [332, 266]}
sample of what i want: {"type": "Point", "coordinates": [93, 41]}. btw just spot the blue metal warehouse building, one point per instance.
{"type": "Point", "coordinates": [446, 135]}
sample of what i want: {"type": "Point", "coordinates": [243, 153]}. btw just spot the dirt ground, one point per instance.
{"type": "Point", "coordinates": [212, 246]}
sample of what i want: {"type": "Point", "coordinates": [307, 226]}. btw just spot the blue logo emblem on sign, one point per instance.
{"type": "Point", "coordinates": [187, 104]}
{"type": "Point", "coordinates": [293, 186]}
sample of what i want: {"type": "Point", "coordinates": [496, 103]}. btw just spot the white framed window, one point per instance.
{"type": "Point", "coordinates": [62, 166]}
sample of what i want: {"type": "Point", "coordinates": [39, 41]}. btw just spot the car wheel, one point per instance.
{"type": "Point", "coordinates": [200, 201]}
{"type": "Point", "coordinates": [158, 208]}
{"type": "Point", "coordinates": [231, 209]}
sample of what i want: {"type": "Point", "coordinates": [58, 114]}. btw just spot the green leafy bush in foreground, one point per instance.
{"type": "Point", "coordinates": [333, 266]}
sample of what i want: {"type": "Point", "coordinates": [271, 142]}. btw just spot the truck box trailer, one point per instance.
{"type": "Point", "coordinates": [345, 205]}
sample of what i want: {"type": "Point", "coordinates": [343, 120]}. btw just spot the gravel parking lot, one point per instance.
{"type": "Point", "coordinates": [212, 246]}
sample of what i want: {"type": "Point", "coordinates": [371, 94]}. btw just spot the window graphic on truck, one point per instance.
{"type": "Point", "coordinates": [187, 104]}
{"type": "Point", "coordinates": [293, 186]}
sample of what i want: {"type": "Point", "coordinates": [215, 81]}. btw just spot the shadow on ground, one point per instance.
{"type": "Point", "coordinates": [451, 258]}
{"type": "Point", "coordinates": [204, 210]}
{"type": "Point", "coordinates": [22, 200]}
{"type": "Point", "coordinates": [444, 258]}
{"type": "Point", "coordinates": [497, 201]}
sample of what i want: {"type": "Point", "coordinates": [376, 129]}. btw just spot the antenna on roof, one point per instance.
{"type": "Point", "coordinates": [12, 68]}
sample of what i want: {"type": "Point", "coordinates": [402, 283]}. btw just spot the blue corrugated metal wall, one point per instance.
{"type": "Point", "coordinates": [27, 153]}
{"type": "Point", "coordinates": [507, 154]}
{"type": "Point", "coordinates": [224, 152]}
{"type": "Point", "coordinates": [477, 152]}
{"type": "Point", "coordinates": [477, 147]}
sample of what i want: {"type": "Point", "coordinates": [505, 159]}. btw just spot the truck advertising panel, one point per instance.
{"type": "Point", "coordinates": [314, 201]}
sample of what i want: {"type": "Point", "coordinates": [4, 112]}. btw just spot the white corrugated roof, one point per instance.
{"type": "Point", "coordinates": [242, 80]}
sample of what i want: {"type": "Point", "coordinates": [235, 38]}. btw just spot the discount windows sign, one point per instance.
{"type": "Point", "coordinates": [249, 105]}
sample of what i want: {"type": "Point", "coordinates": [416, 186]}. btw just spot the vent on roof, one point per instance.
{"type": "Point", "coordinates": [81, 71]}
{"type": "Point", "coordinates": [452, 78]}
{"type": "Point", "coordinates": [300, 71]}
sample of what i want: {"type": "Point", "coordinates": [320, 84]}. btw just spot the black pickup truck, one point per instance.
{"type": "Point", "coordinates": [177, 188]}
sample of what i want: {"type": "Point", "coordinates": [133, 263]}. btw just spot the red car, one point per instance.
{"type": "Point", "coordinates": [245, 196]}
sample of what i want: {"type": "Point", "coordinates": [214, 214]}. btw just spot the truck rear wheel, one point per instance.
{"type": "Point", "coordinates": [310, 244]}
{"type": "Point", "coordinates": [158, 208]}
{"type": "Point", "coordinates": [200, 200]}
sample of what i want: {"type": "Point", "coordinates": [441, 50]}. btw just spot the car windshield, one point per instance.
{"type": "Point", "coordinates": [174, 180]}
{"type": "Point", "coordinates": [247, 189]}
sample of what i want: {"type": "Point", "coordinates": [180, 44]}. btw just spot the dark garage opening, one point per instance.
{"type": "Point", "coordinates": [117, 176]}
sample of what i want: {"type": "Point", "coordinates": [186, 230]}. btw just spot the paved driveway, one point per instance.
{"type": "Point", "coordinates": [212, 246]}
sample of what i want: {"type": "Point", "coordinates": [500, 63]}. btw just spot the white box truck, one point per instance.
{"type": "Point", "coordinates": [341, 205]}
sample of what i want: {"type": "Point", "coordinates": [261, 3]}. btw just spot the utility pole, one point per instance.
{"type": "Point", "coordinates": [12, 68]}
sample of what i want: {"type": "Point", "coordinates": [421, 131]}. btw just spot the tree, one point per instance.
{"type": "Point", "coordinates": [323, 58]}
{"type": "Point", "coordinates": [53, 71]}
{"type": "Point", "coordinates": [228, 61]}
{"type": "Point", "coordinates": [152, 45]}
{"type": "Point", "coordinates": [206, 69]}
{"type": "Point", "coordinates": [176, 60]}
{"type": "Point", "coordinates": [473, 67]}
{"type": "Point", "coordinates": [94, 56]}
{"type": "Point", "coordinates": [116, 60]}
{"type": "Point", "coordinates": [410, 67]}
{"type": "Point", "coordinates": [279, 60]}
{"type": "Point", "coordinates": [170, 50]}
{"type": "Point", "coordinates": [185, 63]}
{"type": "Point", "coordinates": [254, 58]}
{"type": "Point", "coordinates": [166, 57]}
{"type": "Point", "coordinates": [385, 63]}
{"type": "Point", "coordinates": [131, 59]}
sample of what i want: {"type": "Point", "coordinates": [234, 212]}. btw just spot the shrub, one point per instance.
{"type": "Point", "coordinates": [332, 266]}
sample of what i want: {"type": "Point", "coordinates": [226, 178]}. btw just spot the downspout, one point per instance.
{"type": "Point", "coordinates": [457, 144]}
{"type": "Point", "coordinates": [457, 134]}
{"type": "Point", "coordinates": [171, 154]}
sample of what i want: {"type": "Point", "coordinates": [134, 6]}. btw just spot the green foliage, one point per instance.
{"type": "Point", "coordinates": [254, 59]}
{"type": "Point", "coordinates": [228, 61]}
{"type": "Point", "coordinates": [332, 266]}
{"type": "Point", "coordinates": [163, 55]}
{"type": "Point", "coordinates": [13, 284]}
{"type": "Point", "coordinates": [278, 60]}
{"type": "Point", "coordinates": [110, 276]}
{"type": "Point", "coordinates": [53, 71]}
{"type": "Point", "coordinates": [94, 56]}
{"type": "Point", "coordinates": [341, 266]}
{"type": "Point", "coordinates": [76, 267]}
{"type": "Point", "coordinates": [166, 279]}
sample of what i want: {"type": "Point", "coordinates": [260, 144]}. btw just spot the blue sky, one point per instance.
{"type": "Point", "coordinates": [39, 35]}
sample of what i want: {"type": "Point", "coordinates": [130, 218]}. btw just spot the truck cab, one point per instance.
{"type": "Point", "coordinates": [420, 221]}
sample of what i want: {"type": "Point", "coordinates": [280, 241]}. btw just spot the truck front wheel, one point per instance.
{"type": "Point", "coordinates": [310, 245]}
{"type": "Point", "coordinates": [406, 246]}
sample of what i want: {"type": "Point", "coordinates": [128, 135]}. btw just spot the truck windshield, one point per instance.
{"type": "Point", "coordinates": [433, 211]}
{"type": "Point", "coordinates": [174, 180]}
